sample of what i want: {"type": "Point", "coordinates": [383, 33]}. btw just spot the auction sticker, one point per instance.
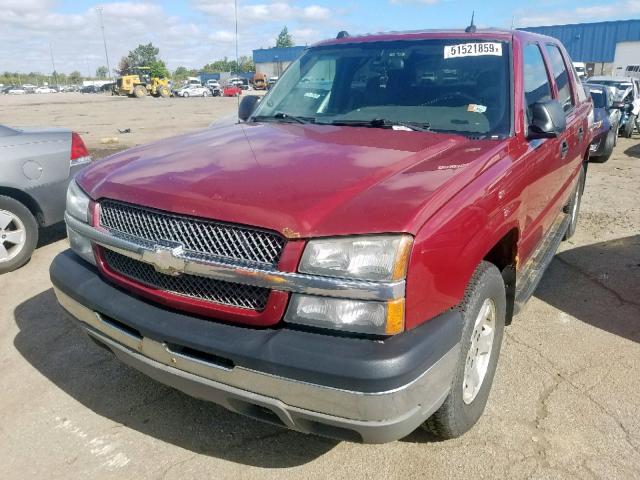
{"type": "Point", "coordinates": [473, 49]}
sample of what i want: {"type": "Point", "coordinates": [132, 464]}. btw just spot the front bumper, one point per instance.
{"type": "Point", "coordinates": [348, 388]}
{"type": "Point", "coordinates": [598, 144]}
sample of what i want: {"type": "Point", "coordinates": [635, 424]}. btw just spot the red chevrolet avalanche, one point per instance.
{"type": "Point", "coordinates": [344, 260]}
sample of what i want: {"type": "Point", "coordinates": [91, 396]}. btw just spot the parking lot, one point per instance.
{"type": "Point", "coordinates": [564, 403]}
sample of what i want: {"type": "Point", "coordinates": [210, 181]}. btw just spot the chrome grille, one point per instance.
{"type": "Point", "coordinates": [192, 286]}
{"type": "Point", "coordinates": [197, 236]}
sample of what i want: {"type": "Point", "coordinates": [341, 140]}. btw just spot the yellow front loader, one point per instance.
{"type": "Point", "coordinates": [140, 84]}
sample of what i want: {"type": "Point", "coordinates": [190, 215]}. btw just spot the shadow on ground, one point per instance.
{"type": "Point", "coordinates": [633, 151]}
{"type": "Point", "coordinates": [51, 234]}
{"type": "Point", "coordinates": [598, 284]}
{"type": "Point", "coordinates": [60, 351]}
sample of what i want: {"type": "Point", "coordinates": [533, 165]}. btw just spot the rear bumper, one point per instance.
{"type": "Point", "coordinates": [51, 197]}
{"type": "Point", "coordinates": [348, 388]}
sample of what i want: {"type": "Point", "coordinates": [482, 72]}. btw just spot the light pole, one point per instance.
{"type": "Point", "coordinates": [53, 63]}
{"type": "Point", "coordinates": [104, 40]}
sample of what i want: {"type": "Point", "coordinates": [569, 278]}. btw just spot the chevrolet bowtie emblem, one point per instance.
{"type": "Point", "coordinates": [165, 260]}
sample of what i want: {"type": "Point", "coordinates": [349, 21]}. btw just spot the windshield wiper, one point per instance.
{"type": "Point", "coordinates": [383, 123]}
{"type": "Point", "coordinates": [283, 116]}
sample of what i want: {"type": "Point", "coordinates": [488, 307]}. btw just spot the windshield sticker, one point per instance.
{"type": "Point", "coordinates": [473, 50]}
{"type": "Point", "coordinates": [312, 95]}
{"type": "Point", "coordinates": [476, 108]}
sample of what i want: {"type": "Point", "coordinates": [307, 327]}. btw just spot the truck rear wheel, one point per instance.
{"type": "Point", "coordinates": [483, 309]}
{"type": "Point", "coordinates": [18, 234]}
{"type": "Point", "coordinates": [139, 91]}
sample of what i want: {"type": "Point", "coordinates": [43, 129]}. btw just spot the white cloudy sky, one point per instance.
{"type": "Point", "coordinates": [195, 32]}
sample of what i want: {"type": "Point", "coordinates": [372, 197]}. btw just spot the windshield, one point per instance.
{"type": "Point", "coordinates": [448, 85]}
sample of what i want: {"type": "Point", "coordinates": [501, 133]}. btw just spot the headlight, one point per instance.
{"type": "Point", "coordinates": [376, 318]}
{"type": "Point", "coordinates": [77, 202]}
{"type": "Point", "coordinates": [78, 207]}
{"type": "Point", "coordinates": [374, 258]}
{"type": "Point", "coordinates": [597, 125]}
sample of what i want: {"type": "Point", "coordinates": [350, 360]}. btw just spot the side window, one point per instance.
{"type": "Point", "coordinates": [536, 80]}
{"type": "Point", "coordinates": [562, 77]}
{"type": "Point", "coordinates": [580, 93]}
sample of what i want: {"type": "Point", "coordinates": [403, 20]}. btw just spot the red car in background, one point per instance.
{"type": "Point", "coordinates": [231, 91]}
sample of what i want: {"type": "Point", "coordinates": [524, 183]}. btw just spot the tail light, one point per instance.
{"type": "Point", "coordinates": [79, 152]}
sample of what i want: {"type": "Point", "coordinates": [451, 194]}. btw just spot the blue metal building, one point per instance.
{"type": "Point", "coordinates": [592, 42]}
{"type": "Point", "coordinates": [273, 61]}
{"type": "Point", "coordinates": [269, 55]}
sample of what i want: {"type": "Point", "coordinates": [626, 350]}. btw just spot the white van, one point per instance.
{"type": "Point", "coordinates": [581, 70]}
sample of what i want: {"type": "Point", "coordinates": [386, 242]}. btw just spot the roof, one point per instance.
{"type": "Point", "coordinates": [497, 34]}
{"type": "Point", "coordinates": [270, 55]}
{"type": "Point", "coordinates": [592, 42]}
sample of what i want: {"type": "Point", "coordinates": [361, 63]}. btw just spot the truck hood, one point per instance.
{"type": "Point", "coordinates": [300, 180]}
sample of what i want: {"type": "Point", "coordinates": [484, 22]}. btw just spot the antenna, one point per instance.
{"type": "Point", "coordinates": [471, 28]}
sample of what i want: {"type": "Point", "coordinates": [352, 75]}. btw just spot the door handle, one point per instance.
{"type": "Point", "coordinates": [580, 134]}
{"type": "Point", "coordinates": [564, 149]}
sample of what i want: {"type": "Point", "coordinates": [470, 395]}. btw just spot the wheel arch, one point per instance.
{"type": "Point", "coordinates": [504, 255]}
{"type": "Point", "coordinates": [26, 199]}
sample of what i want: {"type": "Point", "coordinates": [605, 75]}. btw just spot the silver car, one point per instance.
{"type": "Point", "coordinates": [35, 168]}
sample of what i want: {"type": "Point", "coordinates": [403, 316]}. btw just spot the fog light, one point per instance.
{"type": "Point", "coordinates": [81, 246]}
{"type": "Point", "coordinates": [377, 318]}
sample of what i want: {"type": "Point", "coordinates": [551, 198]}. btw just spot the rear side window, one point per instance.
{"type": "Point", "coordinates": [536, 80]}
{"type": "Point", "coordinates": [562, 77]}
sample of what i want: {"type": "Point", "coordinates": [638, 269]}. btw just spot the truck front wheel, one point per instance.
{"type": "Point", "coordinates": [483, 309]}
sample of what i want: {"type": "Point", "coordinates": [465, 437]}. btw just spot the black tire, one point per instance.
{"type": "Point", "coordinates": [610, 142]}
{"type": "Point", "coordinates": [139, 91]}
{"type": "Point", "coordinates": [455, 417]}
{"type": "Point", "coordinates": [629, 126]}
{"type": "Point", "coordinates": [31, 233]}
{"type": "Point", "coordinates": [573, 207]}
{"type": "Point", "coordinates": [185, 95]}
{"type": "Point", "coordinates": [164, 91]}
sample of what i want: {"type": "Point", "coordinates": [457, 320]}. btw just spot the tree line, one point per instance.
{"type": "Point", "coordinates": [143, 56]}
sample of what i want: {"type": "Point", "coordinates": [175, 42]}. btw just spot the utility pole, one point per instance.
{"type": "Point", "coordinates": [104, 40]}
{"type": "Point", "coordinates": [53, 63]}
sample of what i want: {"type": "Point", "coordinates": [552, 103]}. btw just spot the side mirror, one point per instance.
{"type": "Point", "coordinates": [247, 106]}
{"type": "Point", "coordinates": [547, 120]}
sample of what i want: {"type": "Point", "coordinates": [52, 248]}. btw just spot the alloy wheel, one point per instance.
{"type": "Point", "coordinates": [479, 353]}
{"type": "Point", "coordinates": [12, 235]}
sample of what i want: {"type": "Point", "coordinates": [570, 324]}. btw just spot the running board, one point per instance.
{"type": "Point", "coordinates": [531, 274]}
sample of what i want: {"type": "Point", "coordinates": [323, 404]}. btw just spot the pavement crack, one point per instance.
{"type": "Point", "coordinates": [179, 463]}
{"type": "Point", "coordinates": [594, 279]}
{"type": "Point", "coordinates": [559, 378]}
